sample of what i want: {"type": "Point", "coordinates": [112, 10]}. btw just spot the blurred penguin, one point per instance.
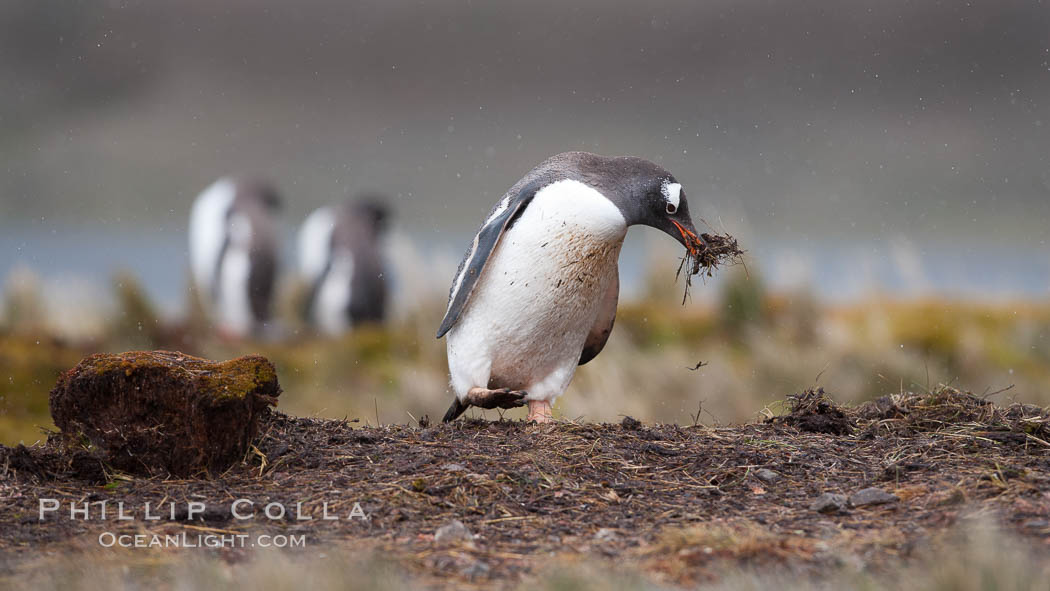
{"type": "Point", "coordinates": [234, 246]}
{"type": "Point", "coordinates": [340, 257]}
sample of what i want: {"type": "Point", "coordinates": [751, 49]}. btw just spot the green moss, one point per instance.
{"type": "Point", "coordinates": [234, 379]}
{"type": "Point", "coordinates": [238, 378]}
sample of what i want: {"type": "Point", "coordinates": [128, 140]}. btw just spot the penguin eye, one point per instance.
{"type": "Point", "coordinates": [671, 208]}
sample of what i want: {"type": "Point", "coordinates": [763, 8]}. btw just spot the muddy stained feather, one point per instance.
{"type": "Point", "coordinates": [705, 254]}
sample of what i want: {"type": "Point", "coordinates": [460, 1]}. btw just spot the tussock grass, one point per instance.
{"type": "Point", "coordinates": [755, 346]}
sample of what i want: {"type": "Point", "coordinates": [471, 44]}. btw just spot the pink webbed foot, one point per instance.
{"type": "Point", "coordinates": [540, 411]}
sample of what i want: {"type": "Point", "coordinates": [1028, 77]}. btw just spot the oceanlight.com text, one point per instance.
{"type": "Point", "coordinates": [188, 540]}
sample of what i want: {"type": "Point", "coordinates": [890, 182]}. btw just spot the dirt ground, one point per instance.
{"type": "Point", "coordinates": [675, 502]}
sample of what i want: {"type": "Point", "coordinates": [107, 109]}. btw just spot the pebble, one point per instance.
{"type": "Point", "coordinates": [871, 496]}
{"type": "Point", "coordinates": [453, 531]}
{"type": "Point", "coordinates": [829, 503]}
{"type": "Point", "coordinates": [766, 475]}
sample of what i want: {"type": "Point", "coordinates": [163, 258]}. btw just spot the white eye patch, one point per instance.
{"type": "Point", "coordinates": [673, 193]}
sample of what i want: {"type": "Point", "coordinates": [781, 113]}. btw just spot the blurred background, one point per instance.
{"type": "Point", "coordinates": [885, 165]}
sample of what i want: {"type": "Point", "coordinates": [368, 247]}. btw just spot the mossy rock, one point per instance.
{"type": "Point", "coordinates": [157, 412]}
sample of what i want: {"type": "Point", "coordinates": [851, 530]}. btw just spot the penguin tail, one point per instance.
{"type": "Point", "coordinates": [455, 410]}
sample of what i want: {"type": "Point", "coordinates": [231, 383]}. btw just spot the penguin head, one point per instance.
{"type": "Point", "coordinates": [271, 198]}
{"type": "Point", "coordinates": [372, 208]}
{"type": "Point", "coordinates": [645, 193]}
{"type": "Point", "coordinates": [665, 207]}
{"type": "Point", "coordinates": [258, 192]}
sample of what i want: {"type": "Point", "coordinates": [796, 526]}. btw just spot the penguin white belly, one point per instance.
{"type": "Point", "coordinates": [529, 315]}
{"type": "Point", "coordinates": [332, 307]}
{"type": "Point", "coordinates": [315, 243]}
{"type": "Point", "coordinates": [208, 232]}
{"type": "Point", "coordinates": [234, 305]}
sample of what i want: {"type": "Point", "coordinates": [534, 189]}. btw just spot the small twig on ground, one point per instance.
{"type": "Point", "coordinates": [821, 372]}
{"type": "Point", "coordinates": [699, 409]}
{"type": "Point", "coordinates": [1000, 391]}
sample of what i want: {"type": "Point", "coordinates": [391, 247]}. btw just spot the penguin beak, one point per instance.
{"type": "Point", "coordinates": [690, 239]}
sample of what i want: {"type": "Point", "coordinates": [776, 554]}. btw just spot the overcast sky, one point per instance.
{"type": "Point", "coordinates": [785, 119]}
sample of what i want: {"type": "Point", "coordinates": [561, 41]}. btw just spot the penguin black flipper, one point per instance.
{"type": "Point", "coordinates": [261, 280]}
{"type": "Point", "coordinates": [500, 219]}
{"type": "Point", "coordinates": [455, 410]}
{"type": "Point", "coordinates": [603, 325]}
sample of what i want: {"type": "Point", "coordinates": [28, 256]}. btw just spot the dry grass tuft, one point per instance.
{"type": "Point", "coordinates": [813, 411]}
{"type": "Point", "coordinates": [960, 413]}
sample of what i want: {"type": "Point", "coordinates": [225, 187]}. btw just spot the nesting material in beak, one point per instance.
{"type": "Point", "coordinates": [705, 253]}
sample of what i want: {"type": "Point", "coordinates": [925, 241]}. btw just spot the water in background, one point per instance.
{"type": "Point", "coordinates": [77, 265]}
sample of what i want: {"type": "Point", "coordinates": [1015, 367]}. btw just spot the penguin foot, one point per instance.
{"type": "Point", "coordinates": [485, 398]}
{"type": "Point", "coordinates": [540, 412]}
{"type": "Point", "coordinates": [455, 410]}
{"type": "Point", "coordinates": [501, 398]}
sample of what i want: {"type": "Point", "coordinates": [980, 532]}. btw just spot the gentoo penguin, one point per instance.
{"type": "Point", "coordinates": [233, 253]}
{"type": "Point", "coordinates": [536, 293]}
{"type": "Point", "coordinates": [340, 258]}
